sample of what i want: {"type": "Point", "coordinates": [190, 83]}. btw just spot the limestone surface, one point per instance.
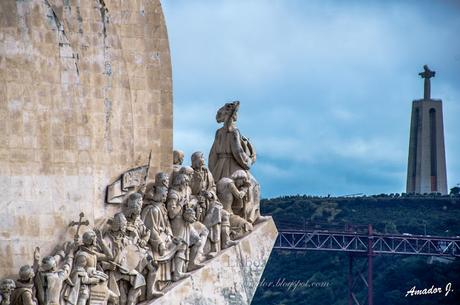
{"type": "Point", "coordinates": [85, 94]}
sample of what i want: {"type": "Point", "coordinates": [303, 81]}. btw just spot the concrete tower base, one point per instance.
{"type": "Point", "coordinates": [427, 161]}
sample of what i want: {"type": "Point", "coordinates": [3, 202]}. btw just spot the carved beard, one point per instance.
{"type": "Point", "coordinates": [118, 238]}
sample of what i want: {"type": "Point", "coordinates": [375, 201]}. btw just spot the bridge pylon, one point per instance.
{"type": "Point", "coordinates": [356, 276]}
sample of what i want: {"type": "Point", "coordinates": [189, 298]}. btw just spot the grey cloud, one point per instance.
{"type": "Point", "coordinates": [326, 86]}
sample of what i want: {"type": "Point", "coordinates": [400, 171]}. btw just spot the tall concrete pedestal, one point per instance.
{"type": "Point", "coordinates": [426, 170]}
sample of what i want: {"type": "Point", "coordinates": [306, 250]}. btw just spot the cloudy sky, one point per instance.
{"type": "Point", "coordinates": [325, 86]}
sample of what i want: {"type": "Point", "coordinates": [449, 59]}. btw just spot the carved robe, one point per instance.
{"type": "Point", "coordinates": [176, 205]}
{"type": "Point", "coordinates": [92, 256]}
{"type": "Point", "coordinates": [229, 152]}
{"type": "Point", "coordinates": [155, 217]}
{"type": "Point", "coordinates": [119, 269]}
{"type": "Point", "coordinates": [211, 214]}
{"type": "Point", "coordinates": [79, 292]}
{"type": "Point", "coordinates": [49, 284]}
{"type": "Point", "coordinates": [85, 282]}
{"type": "Point", "coordinates": [137, 254]}
{"type": "Point", "coordinates": [23, 294]}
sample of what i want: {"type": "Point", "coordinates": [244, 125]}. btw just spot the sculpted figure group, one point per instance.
{"type": "Point", "coordinates": [164, 231]}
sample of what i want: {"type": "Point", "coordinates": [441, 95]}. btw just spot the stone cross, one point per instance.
{"type": "Point", "coordinates": [427, 74]}
{"type": "Point", "coordinates": [79, 223]}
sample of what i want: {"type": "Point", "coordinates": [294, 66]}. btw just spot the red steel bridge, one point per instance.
{"type": "Point", "coordinates": [363, 243]}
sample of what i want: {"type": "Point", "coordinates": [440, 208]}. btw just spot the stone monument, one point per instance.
{"type": "Point", "coordinates": [96, 207]}
{"type": "Point", "coordinates": [426, 170]}
{"type": "Point", "coordinates": [85, 95]}
{"type": "Point", "coordinates": [191, 242]}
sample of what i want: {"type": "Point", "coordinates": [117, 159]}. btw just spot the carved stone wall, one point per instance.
{"type": "Point", "coordinates": [85, 94]}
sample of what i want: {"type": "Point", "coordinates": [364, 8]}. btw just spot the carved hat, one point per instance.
{"type": "Point", "coordinates": [134, 203]}
{"type": "Point", "coordinates": [88, 237]}
{"type": "Point", "coordinates": [48, 263]}
{"type": "Point", "coordinates": [178, 157]}
{"type": "Point", "coordinates": [228, 109]}
{"type": "Point", "coordinates": [26, 273]}
{"type": "Point", "coordinates": [6, 285]}
{"type": "Point", "coordinates": [160, 194]}
{"type": "Point", "coordinates": [161, 179]}
{"type": "Point", "coordinates": [196, 156]}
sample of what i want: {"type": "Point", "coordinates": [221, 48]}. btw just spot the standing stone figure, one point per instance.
{"type": "Point", "coordinates": [202, 184]}
{"type": "Point", "coordinates": [85, 281]}
{"type": "Point", "coordinates": [124, 280]}
{"type": "Point", "coordinates": [231, 152]}
{"type": "Point", "coordinates": [161, 181]}
{"type": "Point", "coordinates": [178, 159]}
{"type": "Point", "coordinates": [139, 253]}
{"type": "Point", "coordinates": [167, 250]}
{"type": "Point", "coordinates": [137, 231]}
{"type": "Point", "coordinates": [50, 279]}
{"type": "Point", "coordinates": [24, 293]}
{"type": "Point", "coordinates": [182, 218]}
{"type": "Point", "coordinates": [89, 249]}
{"type": "Point", "coordinates": [197, 207]}
{"type": "Point", "coordinates": [77, 291]}
{"type": "Point", "coordinates": [211, 212]}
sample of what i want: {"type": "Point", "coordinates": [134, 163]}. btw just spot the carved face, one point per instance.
{"type": "Point", "coordinates": [49, 263]}
{"type": "Point", "coordinates": [150, 194]}
{"type": "Point", "coordinates": [186, 170]}
{"type": "Point", "coordinates": [135, 209]}
{"type": "Point", "coordinates": [26, 273]}
{"type": "Point", "coordinates": [178, 157]}
{"type": "Point", "coordinates": [228, 109]}
{"type": "Point", "coordinates": [6, 286]}
{"type": "Point", "coordinates": [162, 179]}
{"type": "Point", "coordinates": [89, 238]}
{"type": "Point", "coordinates": [134, 206]}
{"type": "Point", "coordinates": [240, 177]}
{"type": "Point", "coordinates": [161, 194]}
{"type": "Point", "coordinates": [240, 182]}
{"type": "Point", "coordinates": [119, 223]}
{"type": "Point", "coordinates": [197, 160]}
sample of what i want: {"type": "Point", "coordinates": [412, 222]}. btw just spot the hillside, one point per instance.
{"type": "Point", "coordinates": [324, 274]}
